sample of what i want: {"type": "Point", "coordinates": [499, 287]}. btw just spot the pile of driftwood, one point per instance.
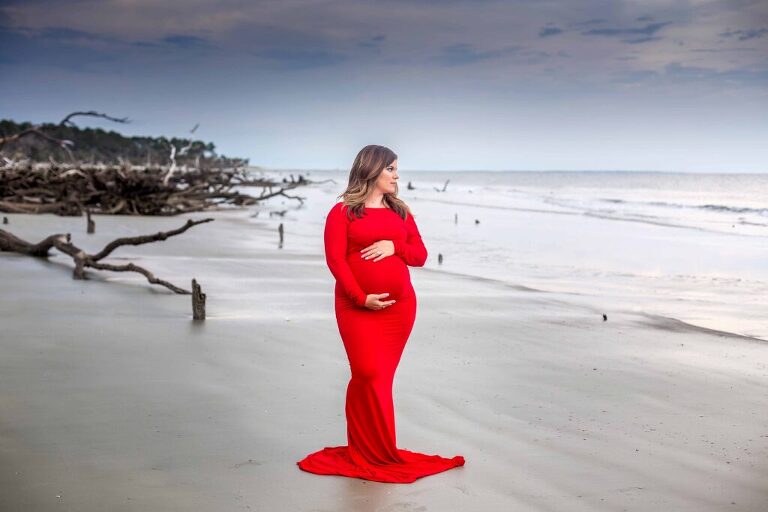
{"type": "Point", "coordinates": [124, 188]}
{"type": "Point", "coordinates": [72, 189]}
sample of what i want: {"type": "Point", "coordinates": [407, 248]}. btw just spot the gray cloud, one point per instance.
{"type": "Point", "coordinates": [462, 54]}
{"type": "Point", "coordinates": [588, 23]}
{"type": "Point", "coordinates": [298, 59]}
{"type": "Point", "coordinates": [647, 30]}
{"type": "Point", "coordinates": [745, 35]}
{"type": "Point", "coordinates": [677, 73]}
{"type": "Point", "coordinates": [185, 41]}
{"type": "Point", "coordinates": [722, 50]}
{"type": "Point", "coordinates": [295, 35]}
{"type": "Point", "coordinates": [550, 31]}
{"type": "Point", "coordinates": [641, 40]}
{"type": "Point", "coordinates": [373, 42]}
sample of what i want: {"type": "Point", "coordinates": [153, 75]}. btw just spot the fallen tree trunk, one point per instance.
{"type": "Point", "coordinates": [62, 242]}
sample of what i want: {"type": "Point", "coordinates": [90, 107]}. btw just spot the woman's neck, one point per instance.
{"type": "Point", "coordinates": [375, 201]}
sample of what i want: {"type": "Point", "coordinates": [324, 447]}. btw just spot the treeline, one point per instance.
{"type": "Point", "coordinates": [98, 146]}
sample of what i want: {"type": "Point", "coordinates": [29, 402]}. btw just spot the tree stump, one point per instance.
{"type": "Point", "coordinates": [198, 301]}
{"type": "Point", "coordinates": [91, 224]}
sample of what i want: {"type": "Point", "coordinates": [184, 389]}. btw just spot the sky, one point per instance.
{"type": "Point", "coordinates": [448, 85]}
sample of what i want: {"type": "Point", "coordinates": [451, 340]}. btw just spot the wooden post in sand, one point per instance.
{"type": "Point", "coordinates": [5, 220]}
{"type": "Point", "coordinates": [91, 225]}
{"type": "Point", "coordinates": [198, 301]}
{"type": "Point", "coordinates": [280, 230]}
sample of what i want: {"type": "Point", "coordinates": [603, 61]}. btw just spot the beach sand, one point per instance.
{"type": "Point", "coordinates": [112, 398]}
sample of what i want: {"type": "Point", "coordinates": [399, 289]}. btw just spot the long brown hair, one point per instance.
{"type": "Point", "coordinates": [369, 163]}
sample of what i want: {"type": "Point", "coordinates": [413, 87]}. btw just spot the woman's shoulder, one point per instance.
{"type": "Point", "coordinates": [338, 209]}
{"type": "Point", "coordinates": [337, 205]}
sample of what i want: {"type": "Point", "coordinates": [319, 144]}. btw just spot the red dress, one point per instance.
{"type": "Point", "coordinates": [374, 341]}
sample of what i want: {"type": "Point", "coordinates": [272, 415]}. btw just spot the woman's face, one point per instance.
{"type": "Point", "coordinates": [386, 182]}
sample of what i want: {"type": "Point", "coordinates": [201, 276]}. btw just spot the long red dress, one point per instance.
{"type": "Point", "coordinates": [374, 341]}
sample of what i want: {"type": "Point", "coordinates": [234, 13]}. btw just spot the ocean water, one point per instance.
{"type": "Point", "coordinates": [681, 245]}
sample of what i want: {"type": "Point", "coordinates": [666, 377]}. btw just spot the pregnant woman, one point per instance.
{"type": "Point", "coordinates": [370, 239]}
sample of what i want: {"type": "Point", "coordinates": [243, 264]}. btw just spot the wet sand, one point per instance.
{"type": "Point", "coordinates": [112, 398]}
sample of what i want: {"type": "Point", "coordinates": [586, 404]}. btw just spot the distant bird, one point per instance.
{"type": "Point", "coordinates": [477, 222]}
{"type": "Point", "coordinates": [605, 317]}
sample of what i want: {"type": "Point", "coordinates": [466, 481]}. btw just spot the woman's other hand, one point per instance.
{"type": "Point", "coordinates": [378, 250]}
{"type": "Point", "coordinates": [375, 301]}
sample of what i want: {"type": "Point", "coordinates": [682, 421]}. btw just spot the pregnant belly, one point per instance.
{"type": "Point", "coordinates": [389, 275]}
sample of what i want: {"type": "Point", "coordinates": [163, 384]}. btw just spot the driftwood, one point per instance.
{"type": "Point", "coordinates": [445, 186]}
{"type": "Point", "coordinates": [62, 242]}
{"type": "Point", "coordinates": [198, 301]}
{"type": "Point", "coordinates": [76, 187]}
{"type": "Point", "coordinates": [91, 225]}
{"type": "Point", "coordinates": [130, 190]}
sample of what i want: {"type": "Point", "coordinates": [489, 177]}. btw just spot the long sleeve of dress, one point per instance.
{"type": "Point", "coordinates": [336, 254]}
{"type": "Point", "coordinates": [412, 250]}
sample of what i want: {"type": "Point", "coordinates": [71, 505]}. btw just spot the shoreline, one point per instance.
{"type": "Point", "coordinates": [685, 325]}
{"type": "Point", "coordinates": [227, 213]}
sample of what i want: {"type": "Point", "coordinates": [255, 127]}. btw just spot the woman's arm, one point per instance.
{"type": "Point", "coordinates": [412, 250]}
{"type": "Point", "coordinates": [336, 255]}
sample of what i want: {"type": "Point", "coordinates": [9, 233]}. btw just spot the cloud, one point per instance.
{"type": "Point", "coordinates": [648, 30]}
{"type": "Point", "coordinates": [89, 52]}
{"type": "Point", "coordinates": [550, 31]}
{"type": "Point", "coordinates": [677, 74]}
{"type": "Point", "coordinates": [722, 50]}
{"type": "Point", "coordinates": [641, 40]}
{"type": "Point", "coordinates": [462, 54]}
{"type": "Point", "coordinates": [681, 72]}
{"type": "Point", "coordinates": [745, 35]}
{"type": "Point", "coordinates": [55, 33]}
{"type": "Point", "coordinates": [60, 48]}
{"type": "Point", "coordinates": [521, 39]}
{"type": "Point", "coordinates": [373, 42]}
{"type": "Point", "coordinates": [298, 59]}
{"type": "Point", "coordinates": [185, 41]}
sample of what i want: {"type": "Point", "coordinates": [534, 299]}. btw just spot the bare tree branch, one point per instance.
{"type": "Point", "coordinates": [91, 113]}
{"type": "Point", "coordinates": [11, 243]}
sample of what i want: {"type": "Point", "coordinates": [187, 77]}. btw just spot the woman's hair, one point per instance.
{"type": "Point", "coordinates": [369, 163]}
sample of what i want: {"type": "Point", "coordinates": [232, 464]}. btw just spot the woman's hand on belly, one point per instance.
{"type": "Point", "coordinates": [376, 301]}
{"type": "Point", "coordinates": [378, 250]}
{"type": "Point", "coordinates": [389, 275]}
